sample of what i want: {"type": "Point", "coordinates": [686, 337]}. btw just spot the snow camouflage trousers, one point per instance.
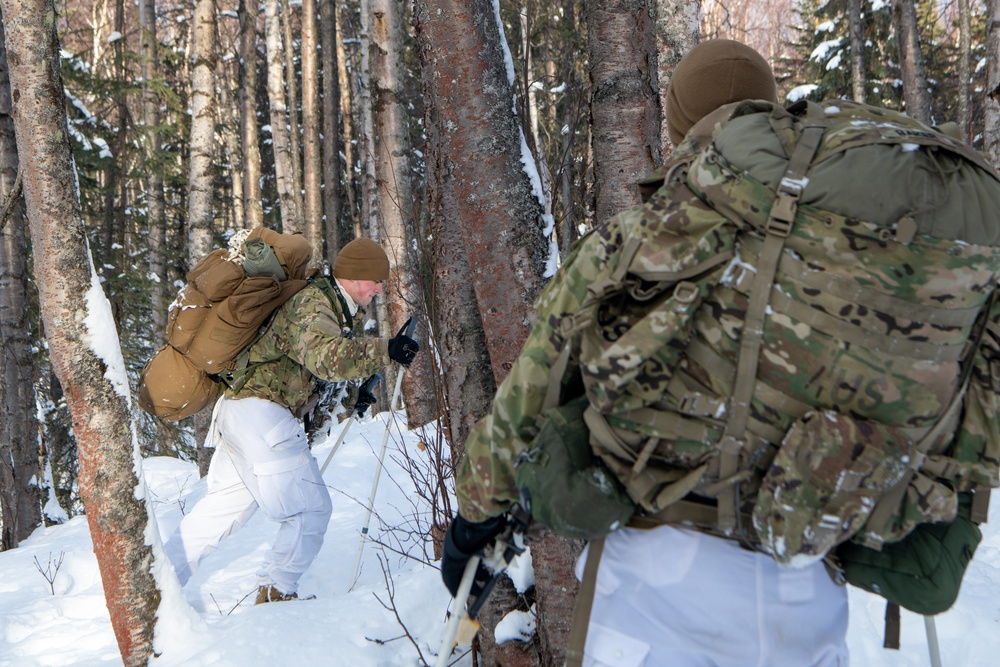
{"type": "Point", "coordinates": [870, 312]}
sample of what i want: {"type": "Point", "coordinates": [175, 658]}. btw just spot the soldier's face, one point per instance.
{"type": "Point", "coordinates": [366, 291]}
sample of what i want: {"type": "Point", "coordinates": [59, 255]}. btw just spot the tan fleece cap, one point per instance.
{"type": "Point", "coordinates": [361, 259]}
{"type": "Point", "coordinates": [712, 74]}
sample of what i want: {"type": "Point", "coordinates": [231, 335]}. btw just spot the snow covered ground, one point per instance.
{"type": "Point", "coordinates": [213, 621]}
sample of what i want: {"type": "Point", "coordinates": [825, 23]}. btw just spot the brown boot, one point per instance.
{"type": "Point", "coordinates": [272, 594]}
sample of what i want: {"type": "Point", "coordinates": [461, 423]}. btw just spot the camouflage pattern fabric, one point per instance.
{"type": "Point", "coordinates": [308, 339]}
{"type": "Point", "coordinates": [824, 482]}
{"type": "Point", "coordinates": [868, 316]}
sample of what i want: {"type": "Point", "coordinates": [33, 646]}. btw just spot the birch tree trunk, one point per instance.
{"type": "Point", "coordinates": [348, 81]}
{"type": "Point", "coordinates": [676, 34]}
{"type": "Point", "coordinates": [312, 167]}
{"type": "Point", "coordinates": [624, 106]}
{"type": "Point", "coordinates": [279, 121]}
{"type": "Point", "coordinates": [855, 27]}
{"type": "Point", "coordinates": [155, 202]}
{"type": "Point", "coordinates": [366, 140]}
{"type": "Point", "coordinates": [964, 69]}
{"type": "Point", "coordinates": [291, 85]}
{"type": "Point", "coordinates": [397, 213]}
{"type": "Point", "coordinates": [252, 206]}
{"type": "Point", "coordinates": [991, 101]}
{"type": "Point", "coordinates": [72, 303]}
{"type": "Point", "coordinates": [911, 61]}
{"type": "Point", "coordinates": [332, 175]}
{"type": "Point", "coordinates": [200, 181]}
{"type": "Point", "coordinates": [20, 501]}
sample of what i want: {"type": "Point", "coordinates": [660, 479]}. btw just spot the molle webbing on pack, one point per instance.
{"type": "Point", "coordinates": [675, 412]}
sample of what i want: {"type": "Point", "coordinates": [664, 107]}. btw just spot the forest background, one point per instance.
{"type": "Point", "coordinates": [475, 139]}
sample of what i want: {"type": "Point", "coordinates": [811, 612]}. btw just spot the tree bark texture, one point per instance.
{"type": "Point", "coordinates": [991, 101]}
{"type": "Point", "coordinates": [911, 61]}
{"type": "Point", "coordinates": [65, 275]}
{"type": "Point", "coordinates": [253, 211]}
{"type": "Point", "coordinates": [964, 119]}
{"type": "Point", "coordinates": [312, 164]}
{"type": "Point", "coordinates": [200, 173]}
{"type": "Point", "coordinates": [855, 27]}
{"type": "Point", "coordinates": [475, 149]}
{"type": "Point", "coordinates": [20, 492]}
{"type": "Point", "coordinates": [332, 172]}
{"type": "Point", "coordinates": [292, 86]}
{"type": "Point", "coordinates": [397, 211]}
{"type": "Point", "coordinates": [676, 34]}
{"type": "Point", "coordinates": [624, 102]}
{"type": "Point", "coordinates": [279, 120]}
{"type": "Point", "coordinates": [155, 198]}
{"type": "Point", "coordinates": [481, 152]}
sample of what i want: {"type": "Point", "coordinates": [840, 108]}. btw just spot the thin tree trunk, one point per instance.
{"type": "Point", "coordinates": [312, 165]}
{"type": "Point", "coordinates": [332, 188]}
{"type": "Point", "coordinates": [291, 85]}
{"type": "Point", "coordinates": [348, 83]}
{"type": "Point", "coordinates": [911, 61]}
{"type": "Point", "coordinates": [279, 121]}
{"type": "Point", "coordinates": [252, 206]}
{"type": "Point", "coordinates": [366, 142]}
{"type": "Point", "coordinates": [20, 502]}
{"type": "Point", "coordinates": [229, 116]}
{"type": "Point", "coordinates": [964, 69]}
{"type": "Point", "coordinates": [75, 312]}
{"type": "Point", "coordinates": [200, 176]}
{"type": "Point", "coordinates": [991, 101]}
{"type": "Point", "coordinates": [155, 201]}
{"type": "Point", "coordinates": [855, 27]}
{"type": "Point", "coordinates": [676, 34]}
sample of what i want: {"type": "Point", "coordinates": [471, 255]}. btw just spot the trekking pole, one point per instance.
{"type": "Point", "coordinates": [367, 386]}
{"type": "Point", "coordinates": [408, 330]}
{"type": "Point", "coordinates": [462, 626]}
{"type": "Point", "coordinates": [448, 642]}
{"type": "Point", "coordinates": [932, 641]}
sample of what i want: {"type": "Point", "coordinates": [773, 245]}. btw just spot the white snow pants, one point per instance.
{"type": "Point", "coordinates": [262, 459]}
{"type": "Point", "coordinates": [681, 598]}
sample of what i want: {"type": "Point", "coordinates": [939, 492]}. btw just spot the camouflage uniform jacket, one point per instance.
{"type": "Point", "coordinates": [310, 337]}
{"type": "Point", "coordinates": [697, 231]}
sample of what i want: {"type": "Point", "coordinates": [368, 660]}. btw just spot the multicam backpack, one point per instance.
{"type": "Point", "coordinates": [229, 295]}
{"type": "Point", "coordinates": [791, 316]}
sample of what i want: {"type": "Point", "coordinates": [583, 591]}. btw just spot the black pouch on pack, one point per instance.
{"type": "Point", "coordinates": [570, 490]}
{"type": "Point", "coordinates": [923, 571]}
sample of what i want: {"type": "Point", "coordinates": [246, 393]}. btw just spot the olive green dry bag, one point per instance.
{"type": "Point", "coordinates": [922, 572]}
{"type": "Point", "coordinates": [570, 491]}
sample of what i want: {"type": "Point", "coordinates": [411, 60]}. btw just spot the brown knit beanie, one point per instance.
{"type": "Point", "coordinates": [361, 259]}
{"type": "Point", "coordinates": [712, 74]}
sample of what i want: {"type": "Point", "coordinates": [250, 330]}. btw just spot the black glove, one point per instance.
{"type": "Point", "coordinates": [464, 540]}
{"type": "Point", "coordinates": [402, 348]}
{"type": "Point", "coordinates": [365, 400]}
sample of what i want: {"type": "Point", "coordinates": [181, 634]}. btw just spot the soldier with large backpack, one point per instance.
{"type": "Point", "coordinates": [262, 458]}
{"type": "Point", "coordinates": [790, 351]}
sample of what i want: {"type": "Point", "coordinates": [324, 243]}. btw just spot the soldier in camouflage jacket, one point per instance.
{"type": "Point", "coordinates": [686, 592]}
{"type": "Point", "coordinates": [262, 458]}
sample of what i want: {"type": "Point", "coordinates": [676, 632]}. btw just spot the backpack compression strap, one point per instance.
{"type": "Point", "coordinates": [779, 225]}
